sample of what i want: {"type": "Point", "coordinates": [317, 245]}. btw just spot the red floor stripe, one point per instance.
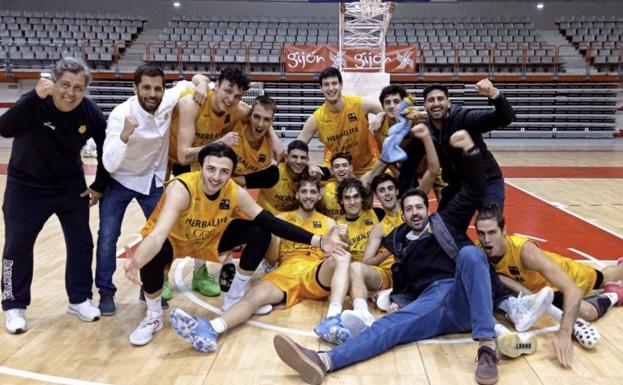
{"type": "Point", "coordinates": [562, 172]}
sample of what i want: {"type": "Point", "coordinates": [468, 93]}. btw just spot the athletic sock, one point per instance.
{"type": "Point", "coordinates": [334, 309]}
{"type": "Point", "coordinates": [613, 297]}
{"type": "Point", "coordinates": [198, 264]}
{"type": "Point", "coordinates": [239, 285]}
{"type": "Point", "coordinates": [219, 325]}
{"type": "Point", "coordinates": [360, 305]}
{"type": "Point", "coordinates": [154, 305]}
{"type": "Point", "coordinates": [326, 360]}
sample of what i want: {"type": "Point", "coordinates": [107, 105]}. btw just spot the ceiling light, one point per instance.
{"type": "Point", "coordinates": [540, 6]}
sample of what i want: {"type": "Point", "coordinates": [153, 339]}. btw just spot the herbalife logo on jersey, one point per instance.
{"type": "Point", "coordinates": [224, 205]}
{"type": "Point", "coordinates": [352, 117]}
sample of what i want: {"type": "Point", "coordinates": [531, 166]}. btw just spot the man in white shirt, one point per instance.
{"type": "Point", "coordinates": [135, 155]}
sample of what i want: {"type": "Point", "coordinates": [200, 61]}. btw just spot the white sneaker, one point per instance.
{"type": "Point", "coordinates": [15, 321]}
{"type": "Point", "coordinates": [145, 331]}
{"type": "Point", "coordinates": [264, 309]}
{"type": "Point", "coordinates": [383, 299]}
{"type": "Point", "coordinates": [229, 301]}
{"type": "Point", "coordinates": [356, 321]}
{"type": "Point", "coordinates": [586, 334]}
{"type": "Point", "coordinates": [515, 344]}
{"type": "Point", "coordinates": [526, 309]}
{"type": "Point", "coordinates": [86, 311]}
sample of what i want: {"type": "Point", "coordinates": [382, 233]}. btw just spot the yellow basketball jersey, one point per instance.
{"type": "Point", "coordinates": [198, 229]}
{"type": "Point", "coordinates": [328, 204]}
{"type": "Point", "coordinates": [510, 265]}
{"type": "Point", "coordinates": [209, 126]}
{"type": "Point", "coordinates": [359, 232]}
{"type": "Point", "coordinates": [317, 224]}
{"type": "Point", "coordinates": [282, 196]}
{"type": "Point", "coordinates": [347, 131]}
{"type": "Point", "coordinates": [250, 159]}
{"type": "Point", "coordinates": [391, 221]}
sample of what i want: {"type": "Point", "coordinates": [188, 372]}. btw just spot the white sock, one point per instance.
{"type": "Point", "coordinates": [500, 329]}
{"type": "Point", "coordinates": [219, 325]}
{"type": "Point", "coordinates": [198, 264]}
{"type": "Point", "coordinates": [239, 285]}
{"type": "Point", "coordinates": [326, 360]}
{"type": "Point", "coordinates": [334, 309]}
{"type": "Point", "coordinates": [613, 297]}
{"type": "Point", "coordinates": [154, 305]}
{"type": "Point", "coordinates": [504, 306]}
{"type": "Point", "coordinates": [554, 312]}
{"type": "Point", "coordinates": [360, 305]}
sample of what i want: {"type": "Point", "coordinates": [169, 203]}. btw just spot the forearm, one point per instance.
{"type": "Point", "coordinates": [286, 230]}
{"type": "Point", "coordinates": [149, 247]}
{"type": "Point", "coordinates": [13, 121]}
{"type": "Point", "coordinates": [570, 308]}
{"type": "Point", "coordinates": [114, 152]}
{"type": "Point", "coordinates": [189, 155]}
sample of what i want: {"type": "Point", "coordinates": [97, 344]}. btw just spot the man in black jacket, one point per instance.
{"type": "Point", "coordinates": [49, 125]}
{"type": "Point", "coordinates": [444, 119]}
{"type": "Point", "coordinates": [440, 282]}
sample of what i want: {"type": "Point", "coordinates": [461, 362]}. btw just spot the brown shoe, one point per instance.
{"type": "Point", "coordinates": [487, 369]}
{"type": "Point", "coordinates": [305, 361]}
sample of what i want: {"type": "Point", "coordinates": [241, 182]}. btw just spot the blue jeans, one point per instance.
{"type": "Point", "coordinates": [451, 305]}
{"type": "Point", "coordinates": [112, 206]}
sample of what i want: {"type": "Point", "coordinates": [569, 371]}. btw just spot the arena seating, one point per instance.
{"type": "Point", "coordinates": [36, 39]}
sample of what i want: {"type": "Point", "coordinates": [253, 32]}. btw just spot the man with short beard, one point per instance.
{"type": "Point", "coordinates": [303, 272]}
{"type": "Point", "coordinates": [441, 283]}
{"type": "Point", "coordinates": [135, 154]}
{"type": "Point", "coordinates": [444, 119]}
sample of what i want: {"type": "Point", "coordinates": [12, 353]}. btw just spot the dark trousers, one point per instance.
{"type": "Point", "coordinates": [26, 208]}
{"type": "Point", "coordinates": [238, 232]}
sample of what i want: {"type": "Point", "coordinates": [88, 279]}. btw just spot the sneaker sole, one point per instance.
{"type": "Point", "coordinates": [184, 326]}
{"type": "Point", "coordinates": [586, 335]}
{"type": "Point", "coordinates": [289, 353]}
{"type": "Point", "coordinates": [81, 317]}
{"type": "Point", "coordinates": [488, 381]}
{"type": "Point", "coordinates": [145, 342]}
{"type": "Point", "coordinates": [107, 313]}
{"type": "Point", "coordinates": [16, 331]}
{"type": "Point", "coordinates": [335, 335]}
{"type": "Point", "coordinates": [511, 345]}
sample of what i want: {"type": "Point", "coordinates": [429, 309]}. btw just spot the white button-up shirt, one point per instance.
{"type": "Point", "coordinates": [135, 163]}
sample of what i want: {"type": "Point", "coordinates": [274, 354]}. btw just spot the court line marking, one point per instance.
{"type": "Point", "coordinates": [187, 292]}
{"type": "Point", "coordinates": [559, 207]}
{"type": "Point", "coordinates": [587, 256]}
{"type": "Point", "coordinates": [532, 237]}
{"type": "Point", "coordinates": [45, 377]}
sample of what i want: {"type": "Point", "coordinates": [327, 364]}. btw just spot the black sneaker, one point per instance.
{"type": "Point", "coordinates": [163, 302]}
{"type": "Point", "coordinates": [107, 305]}
{"type": "Point", "coordinates": [226, 277]}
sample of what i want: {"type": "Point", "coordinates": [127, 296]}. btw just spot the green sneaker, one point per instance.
{"type": "Point", "coordinates": [205, 283]}
{"type": "Point", "coordinates": [167, 293]}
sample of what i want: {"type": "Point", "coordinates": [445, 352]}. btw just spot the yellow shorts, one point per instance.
{"type": "Point", "coordinates": [297, 279]}
{"type": "Point", "coordinates": [583, 275]}
{"type": "Point", "coordinates": [385, 270]}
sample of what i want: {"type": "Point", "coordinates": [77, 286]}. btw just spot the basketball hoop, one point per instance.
{"type": "Point", "coordinates": [370, 8]}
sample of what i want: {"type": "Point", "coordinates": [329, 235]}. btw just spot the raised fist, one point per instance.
{"type": "Point", "coordinates": [461, 139]}
{"type": "Point", "coordinates": [44, 88]}
{"type": "Point", "coordinates": [129, 125]}
{"type": "Point", "coordinates": [486, 88]}
{"type": "Point", "coordinates": [416, 115]}
{"type": "Point", "coordinates": [231, 138]}
{"type": "Point", "coordinates": [420, 131]}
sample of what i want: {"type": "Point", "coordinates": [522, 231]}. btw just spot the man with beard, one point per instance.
{"type": "Point", "coordinates": [302, 273]}
{"type": "Point", "coordinates": [441, 282]}
{"type": "Point", "coordinates": [342, 124]}
{"type": "Point", "coordinates": [200, 215]}
{"type": "Point", "coordinates": [444, 120]}
{"type": "Point", "coordinates": [135, 155]}
{"type": "Point", "coordinates": [49, 125]}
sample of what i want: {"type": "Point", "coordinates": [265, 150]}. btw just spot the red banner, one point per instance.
{"type": "Point", "coordinates": [314, 58]}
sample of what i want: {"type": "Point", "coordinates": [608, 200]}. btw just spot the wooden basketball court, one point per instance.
{"type": "Point", "coordinates": [569, 200]}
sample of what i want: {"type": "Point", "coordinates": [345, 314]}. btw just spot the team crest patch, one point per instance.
{"type": "Point", "coordinates": [316, 224]}
{"type": "Point", "coordinates": [352, 117]}
{"type": "Point", "coordinates": [513, 270]}
{"type": "Point", "coordinates": [368, 222]}
{"type": "Point", "coordinates": [82, 129]}
{"type": "Point", "coordinates": [224, 205]}
{"type": "Point", "coordinates": [262, 158]}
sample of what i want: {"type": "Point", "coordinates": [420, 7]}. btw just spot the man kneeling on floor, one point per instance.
{"type": "Point", "coordinates": [440, 277]}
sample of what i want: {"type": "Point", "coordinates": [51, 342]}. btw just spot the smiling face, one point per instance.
{"type": "Point", "coordinates": [390, 105]}
{"type": "Point", "coordinates": [437, 105]}
{"type": "Point", "coordinates": [415, 213]}
{"type": "Point", "coordinates": [150, 92]}
{"type": "Point", "coordinates": [352, 202]}
{"type": "Point", "coordinates": [215, 172]}
{"type": "Point", "coordinates": [297, 161]}
{"type": "Point", "coordinates": [342, 169]}
{"type": "Point", "coordinates": [261, 120]}
{"type": "Point", "coordinates": [491, 238]}
{"type": "Point", "coordinates": [226, 96]}
{"type": "Point", "coordinates": [387, 194]}
{"type": "Point", "coordinates": [308, 195]}
{"type": "Point", "coordinates": [69, 90]}
{"type": "Point", "coordinates": [331, 89]}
